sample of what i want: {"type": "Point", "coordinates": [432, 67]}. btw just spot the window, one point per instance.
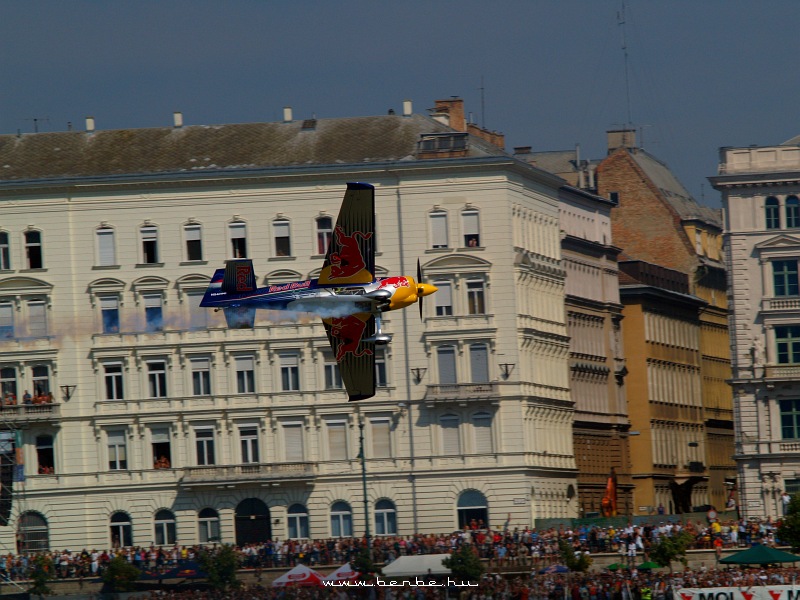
{"type": "Point", "coordinates": [385, 518]}
{"type": "Point", "coordinates": [5, 252]}
{"type": "Point", "coordinates": [157, 379]}
{"type": "Point", "coordinates": [337, 440]}
{"type": "Point", "coordinates": [341, 520]}
{"type": "Point", "coordinates": [283, 245]}
{"type": "Point", "coordinates": [45, 457]}
{"type": "Point", "coordinates": [479, 363]}
{"type": "Point", "coordinates": [451, 442]}
{"type": "Point", "coordinates": [784, 277]}
{"type": "Point", "coordinates": [475, 298]}
{"type": "Point", "coordinates": [443, 298]}
{"type": "Point", "coordinates": [293, 440]}
{"type": "Point", "coordinates": [149, 236]}
{"type": "Point", "coordinates": [238, 235]}
{"type": "Point", "coordinates": [32, 533]}
{"type": "Point", "coordinates": [109, 313]}
{"type": "Point", "coordinates": [772, 213]}
{"type": "Point", "coordinates": [106, 249]}
{"type": "Point", "coordinates": [198, 315]}
{"type": "Point", "coordinates": [6, 320]}
{"type": "Point", "coordinates": [482, 427]}
{"type": "Point", "coordinates": [438, 229]}
{"type": "Point", "coordinates": [297, 521]}
{"type": "Point", "coordinates": [333, 378]}
{"type": "Point", "coordinates": [117, 451]}
{"type": "Point", "coordinates": [248, 437]}
{"type": "Point", "coordinates": [121, 530]}
{"type": "Point", "coordinates": [245, 375]}
{"type": "Point", "coordinates": [472, 237]}
{"type": "Point", "coordinates": [208, 525]}
{"type": "Point", "coordinates": [446, 356]}
{"type": "Point", "coordinates": [8, 382]}
{"type": "Point", "coordinates": [204, 440]}
{"type": "Point", "coordinates": [33, 249]}
{"type": "Point", "coordinates": [381, 435]}
{"type": "Point", "coordinates": [161, 448]}
{"type": "Point", "coordinates": [164, 528]}
{"type": "Point", "coordinates": [41, 380]}
{"type": "Point", "coordinates": [788, 344]}
{"type": "Point", "coordinates": [194, 242]}
{"type": "Point", "coordinates": [792, 212]}
{"type": "Point", "coordinates": [472, 506]}
{"type": "Point", "coordinates": [37, 318]}
{"type": "Point", "coordinates": [201, 376]}
{"type": "Point", "coordinates": [790, 419]}
{"type": "Point", "coordinates": [380, 368]}
{"type": "Point", "coordinates": [153, 312]}
{"type": "Point", "coordinates": [324, 233]}
{"type": "Point", "coordinates": [290, 372]}
{"type": "Point", "coordinates": [112, 373]}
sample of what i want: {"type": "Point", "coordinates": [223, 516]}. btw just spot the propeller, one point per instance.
{"type": "Point", "coordinates": [419, 295]}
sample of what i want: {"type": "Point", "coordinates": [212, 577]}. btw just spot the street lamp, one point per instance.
{"type": "Point", "coordinates": [364, 478]}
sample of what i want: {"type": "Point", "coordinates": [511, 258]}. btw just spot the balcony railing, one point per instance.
{"type": "Point", "coordinates": [781, 304]}
{"type": "Point", "coordinates": [222, 474]}
{"type": "Point", "coordinates": [30, 412]}
{"type": "Point", "coordinates": [782, 372]}
{"type": "Point", "coordinates": [461, 391]}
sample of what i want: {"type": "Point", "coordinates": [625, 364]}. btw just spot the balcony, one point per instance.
{"type": "Point", "coordinates": [23, 413]}
{"type": "Point", "coordinates": [780, 304]}
{"type": "Point", "coordinates": [782, 372]}
{"type": "Point", "coordinates": [220, 475]}
{"type": "Point", "coordinates": [461, 392]}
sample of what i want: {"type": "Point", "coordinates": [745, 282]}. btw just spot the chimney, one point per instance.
{"type": "Point", "coordinates": [453, 110]}
{"type": "Point", "coordinates": [407, 111]}
{"type": "Point", "coordinates": [621, 138]}
{"type": "Point", "coordinates": [177, 119]}
{"type": "Point", "coordinates": [287, 114]}
{"type": "Point", "coordinates": [89, 124]}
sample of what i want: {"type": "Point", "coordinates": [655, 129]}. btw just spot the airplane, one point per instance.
{"type": "Point", "coordinates": [346, 295]}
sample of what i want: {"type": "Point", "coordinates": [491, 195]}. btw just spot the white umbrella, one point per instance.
{"type": "Point", "coordinates": [343, 573]}
{"type": "Point", "coordinates": [300, 575]}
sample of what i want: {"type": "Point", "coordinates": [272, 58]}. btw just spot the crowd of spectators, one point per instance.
{"type": "Point", "coordinates": [509, 550]}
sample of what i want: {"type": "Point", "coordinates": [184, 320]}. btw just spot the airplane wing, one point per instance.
{"type": "Point", "coordinates": [355, 357]}
{"type": "Point", "coordinates": [351, 252]}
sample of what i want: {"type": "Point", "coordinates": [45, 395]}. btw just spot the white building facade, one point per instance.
{"type": "Point", "coordinates": [166, 427]}
{"type": "Point", "coordinates": [760, 191]}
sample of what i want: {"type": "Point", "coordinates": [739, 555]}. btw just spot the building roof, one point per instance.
{"type": "Point", "coordinates": [673, 191]}
{"type": "Point", "coordinates": [354, 140]}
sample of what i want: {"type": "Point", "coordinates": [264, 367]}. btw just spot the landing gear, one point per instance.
{"type": "Point", "coordinates": [379, 338]}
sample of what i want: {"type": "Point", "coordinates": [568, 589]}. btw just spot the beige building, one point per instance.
{"type": "Point", "coordinates": [166, 426]}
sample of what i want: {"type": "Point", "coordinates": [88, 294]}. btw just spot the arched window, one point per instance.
{"type": "Point", "coordinates": [324, 233]}
{"type": "Point", "coordinates": [297, 521]}
{"type": "Point", "coordinates": [106, 247]}
{"type": "Point", "coordinates": [451, 441]}
{"type": "Point", "coordinates": [792, 212]}
{"type": "Point", "coordinates": [482, 427]}
{"type": "Point", "coordinates": [33, 533]}
{"type": "Point", "coordinates": [208, 524]}
{"type": "Point", "coordinates": [33, 249]}
{"type": "Point", "coordinates": [772, 213]}
{"type": "Point", "coordinates": [341, 520]}
{"type": "Point", "coordinates": [473, 510]}
{"type": "Point", "coordinates": [164, 528]}
{"type": "Point", "coordinates": [385, 518]}
{"type": "Point", "coordinates": [121, 530]}
{"type": "Point", "coordinates": [5, 251]}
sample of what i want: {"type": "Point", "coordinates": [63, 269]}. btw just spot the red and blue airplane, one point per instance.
{"type": "Point", "coordinates": [347, 295]}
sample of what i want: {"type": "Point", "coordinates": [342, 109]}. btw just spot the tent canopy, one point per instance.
{"type": "Point", "coordinates": [415, 566]}
{"type": "Point", "coordinates": [301, 575]}
{"type": "Point", "coordinates": [759, 555]}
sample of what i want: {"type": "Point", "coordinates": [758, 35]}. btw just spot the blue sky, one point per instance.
{"type": "Point", "coordinates": [702, 73]}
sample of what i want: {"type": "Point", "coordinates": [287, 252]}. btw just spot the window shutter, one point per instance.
{"type": "Point", "coordinates": [381, 439]}
{"type": "Point", "coordinates": [444, 296]}
{"type": "Point", "coordinates": [160, 435]}
{"type": "Point", "coordinates": [447, 365]}
{"type": "Point", "coordinates": [482, 423]}
{"type": "Point", "coordinates": [237, 231]}
{"type": "Point", "coordinates": [281, 229]}
{"type": "Point", "coordinates": [450, 441]}
{"type": "Point", "coordinates": [479, 363]}
{"type": "Point", "coordinates": [337, 440]}
{"type": "Point", "coordinates": [201, 364]}
{"type": "Point", "coordinates": [105, 247]}
{"type": "Point", "coordinates": [37, 319]}
{"type": "Point", "coordinates": [470, 223]}
{"type": "Point", "coordinates": [439, 230]}
{"type": "Point", "coordinates": [152, 301]}
{"type": "Point", "coordinates": [293, 435]}
{"type": "Point", "coordinates": [245, 363]}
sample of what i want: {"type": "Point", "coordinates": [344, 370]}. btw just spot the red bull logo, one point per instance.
{"type": "Point", "coordinates": [348, 332]}
{"type": "Point", "coordinates": [395, 282]}
{"type": "Point", "coordinates": [242, 278]}
{"type": "Point", "coordinates": [348, 260]}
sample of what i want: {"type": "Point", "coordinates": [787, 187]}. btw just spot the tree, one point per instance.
{"type": "Point", "coordinates": [220, 567]}
{"type": "Point", "coordinates": [671, 547]}
{"type": "Point", "coordinates": [364, 564]}
{"type": "Point", "coordinates": [42, 570]}
{"type": "Point", "coordinates": [464, 563]}
{"type": "Point", "coordinates": [580, 563]}
{"type": "Point", "coordinates": [120, 575]}
{"type": "Point", "coordinates": [789, 531]}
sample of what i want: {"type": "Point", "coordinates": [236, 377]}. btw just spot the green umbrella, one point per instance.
{"type": "Point", "coordinates": [759, 555]}
{"type": "Point", "coordinates": [646, 566]}
{"type": "Point", "coordinates": [615, 566]}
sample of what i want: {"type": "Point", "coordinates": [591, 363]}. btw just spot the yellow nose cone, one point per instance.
{"type": "Point", "coordinates": [426, 289]}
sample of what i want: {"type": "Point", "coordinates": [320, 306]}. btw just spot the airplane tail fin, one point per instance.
{"type": "Point", "coordinates": [239, 276]}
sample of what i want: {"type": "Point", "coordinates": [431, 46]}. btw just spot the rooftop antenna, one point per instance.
{"type": "Point", "coordinates": [36, 121]}
{"type": "Point", "coordinates": [483, 106]}
{"type": "Point", "coordinates": [621, 23]}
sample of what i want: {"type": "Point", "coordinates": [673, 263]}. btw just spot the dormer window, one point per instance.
{"type": "Point", "coordinates": [442, 142]}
